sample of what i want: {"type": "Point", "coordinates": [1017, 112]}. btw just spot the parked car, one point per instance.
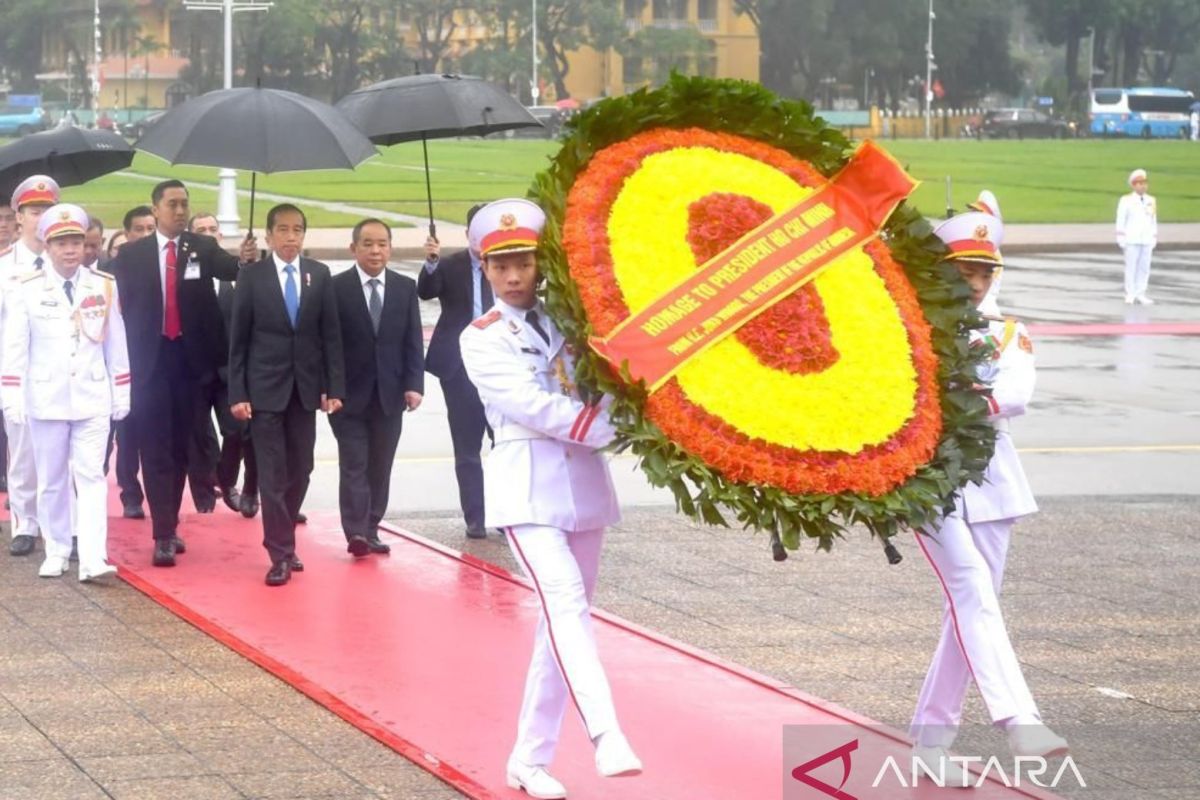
{"type": "Point", "coordinates": [135, 129]}
{"type": "Point", "coordinates": [1023, 123]}
{"type": "Point", "coordinates": [551, 118]}
{"type": "Point", "coordinates": [20, 120]}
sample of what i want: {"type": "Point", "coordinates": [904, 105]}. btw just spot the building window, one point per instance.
{"type": "Point", "coordinates": [707, 16]}
{"type": "Point", "coordinates": [632, 70]}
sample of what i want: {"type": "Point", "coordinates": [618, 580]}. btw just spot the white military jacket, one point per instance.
{"type": "Point", "coordinates": [1005, 492]}
{"type": "Point", "coordinates": [1137, 220]}
{"type": "Point", "coordinates": [64, 360]}
{"type": "Point", "coordinates": [545, 468]}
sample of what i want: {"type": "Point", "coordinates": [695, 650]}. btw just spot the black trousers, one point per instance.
{"type": "Point", "coordinates": [467, 426]}
{"type": "Point", "coordinates": [366, 449]}
{"type": "Point", "coordinates": [283, 446]}
{"type": "Point", "coordinates": [164, 412]}
{"type": "Point", "coordinates": [4, 450]}
{"type": "Point", "coordinates": [204, 450]}
{"type": "Point", "coordinates": [123, 434]}
{"type": "Point", "coordinates": [235, 448]}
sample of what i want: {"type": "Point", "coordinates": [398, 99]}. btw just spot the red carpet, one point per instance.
{"type": "Point", "coordinates": [426, 651]}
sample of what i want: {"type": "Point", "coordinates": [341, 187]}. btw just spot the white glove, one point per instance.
{"type": "Point", "coordinates": [119, 413]}
{"type": "Point", "coordinates": [14, 415]}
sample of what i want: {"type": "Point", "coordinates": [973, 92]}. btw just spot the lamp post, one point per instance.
{"type": "Point", "coordinates": [929, 67]}
{"type": "Point", "coordinates": [1091, 64]}
{"type": "Point", "coordinates": [227, 210]}
{"type": "Point", "coordinates": [96, 36]}
{"type": "Point", "coordinates": [533, 81]}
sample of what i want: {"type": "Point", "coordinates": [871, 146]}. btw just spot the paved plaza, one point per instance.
{"type": "Point", "coordinates": [105, 694]}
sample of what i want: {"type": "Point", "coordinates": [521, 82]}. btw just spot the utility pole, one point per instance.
{"type": "Point", "coordinates": [533, 75]}
{"type": "Point", "coordinates": [227, 209]}
{"type": "Point", "coordinates": [929, 67]}
{"type": "Point", "coordinates": [96, 35]}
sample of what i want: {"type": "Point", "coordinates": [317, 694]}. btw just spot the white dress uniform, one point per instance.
{"type": "Point", "coordinates": [547, 486]}
{"type": "Point", "coordinates": [66, 370]}
{"type": "Point", "coordinates": [1137, 235]}
{"type": "Point", "coordinates": [968, 549]}
{"type": "Point", "coordinates": [18, 261]}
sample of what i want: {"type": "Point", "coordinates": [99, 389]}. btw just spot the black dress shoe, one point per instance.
{"type": "Point", "coordinates": [164, 552]}
{"type": "Point", "coordinates": [301, 518]}
{"type": "Point", "coordinates": [133, 511]}
{"type": "Point", "coordinates": [476, 533]}
{"type": "Point", "coordinates": [180, 546]}
{"type": "Point", "coordinates": [232, 498]}
{"type": "Point", "coordinates": [206, 505]}
{"type": "Point", "coordinates": [249, 504]}
{"type": "Point", "coordinates": [377, 546]}
{"type": "Point", "coordinates": [279, 574]}
{"type": "Point", "coordinates": [295, 563]}
{"type": "Point", "coordinates": [358, 546]}
{"type": "Point", "coordinates": [3, 483]}
{"type": "Point", "coordinates": [22, 545]}
{"type": "Point", "coordinates": [74, 549]}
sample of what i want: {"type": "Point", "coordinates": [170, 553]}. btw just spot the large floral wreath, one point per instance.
{"type": "Point", "coordinates": [850, 401]}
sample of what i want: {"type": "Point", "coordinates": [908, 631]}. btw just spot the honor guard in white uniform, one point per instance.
{"type": "Point", "coordinates": [988, 204]}
{"type": "Point", "coordinates": [31, 198]}
{"type": "Point", "coordinates": [1137, 235]}
{"type": "Point", "coordinates": [967, 550]}
{"type": "Point", "coordinates": [66, 374]}
{"type": "Point", "coordinates": [547, 486]}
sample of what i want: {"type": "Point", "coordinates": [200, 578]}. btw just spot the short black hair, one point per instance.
{"type": "Point", "coordinates": [354, 237]}
{"type": "Point", "coordinates": [94, 224]}
{"type": "Point", "coordinates": [134, 213]}
{"type": "Point", "coordinates": [200, 215]}
{"type": "Point", "coordinates": [284, 208]}
{"type": "Point", "coordinates": [472, 211]}
{"type": "Point", "coordinates": [160, 189]}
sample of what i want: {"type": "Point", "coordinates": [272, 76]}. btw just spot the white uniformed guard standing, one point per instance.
{"type": "Point", "coordinates": [1137, 235]}
{"type": "Point", "coordinates": [547, 486]}
{"type": "Point", "coordinates": [66, 373]}
{"type": "Point", "coordinates": [967, 551]}
{"type": "Point", "coordinates": [30, 199]}
{"type": "Point", "coordinates": [988, 204]}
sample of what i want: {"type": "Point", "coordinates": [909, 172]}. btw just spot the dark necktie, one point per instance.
{"type": "Point", "coordinates": [532, 318]}
{"type": "Point", "coordinates": [375, 304]}
{"type": "Point", "coordinates": [69, 288]}
{"type": "Point", "coordinates": [37, 263]}
{"type": "Point", "coordinates": [486, 300]}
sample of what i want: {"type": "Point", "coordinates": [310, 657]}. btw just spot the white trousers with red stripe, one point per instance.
{"type": "Point", "coordinates": [73, 453]}
{"type": "Point", "coordinates": [22, 479]}
{"type": "Point", "coordinates": [565, 666]}
{"type": "Point", "coordinates": [968, 560]}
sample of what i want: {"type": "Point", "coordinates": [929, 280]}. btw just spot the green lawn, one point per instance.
{"type": "Point", "coordinates": [1036, 181]}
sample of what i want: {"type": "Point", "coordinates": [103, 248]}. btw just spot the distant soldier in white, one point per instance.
{"type": "Point", "coordinates": [547, 486]}
{"type": "Point", "coordinates": [30, 199]}
{"type": "Point", "coordinates": [66, 373]}
{"type": "Point", "coordinates": [1195, 121]}
{"type": "Point", "coordinates": [968, 549]}
{"type": "Point", "coordinates": [1137, 235]}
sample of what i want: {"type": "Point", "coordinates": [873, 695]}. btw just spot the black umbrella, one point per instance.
{"type": "Point", "coordinates": [261, 130]}
{"type": "Point", "coordinates": [69, 155]}
{"type": "Point", "coordinates": [432, 107]}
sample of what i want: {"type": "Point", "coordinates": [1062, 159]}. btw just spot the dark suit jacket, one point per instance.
{"type": "Point", "coordinates": [140, 285]}
{"type": "Point", "coordinates": [267, 357]}
{"type": "Point", "coordinates": [451, 283]}
{"type": "Point", "coordinates": [390, 362]}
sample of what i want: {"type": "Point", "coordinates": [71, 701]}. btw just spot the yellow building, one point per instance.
{"type": "Point", "coordinates": [697, 37]}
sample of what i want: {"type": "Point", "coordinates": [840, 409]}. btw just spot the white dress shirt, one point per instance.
{"type": "Point", "coordinates": [1137, 220]}
{"type": "Point", "coordinates": [365, 278]}
{"type": "Point", "coordinates": [280, 266]}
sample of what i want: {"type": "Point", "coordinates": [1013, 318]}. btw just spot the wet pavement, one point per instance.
{"type": "Point", "coordinates": [104, 694]}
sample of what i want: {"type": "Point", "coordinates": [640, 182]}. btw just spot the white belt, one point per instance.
{"type": "Point", "coordinates": [1001, 424]}
{"type": "Point", "coordinates": [515, 432]}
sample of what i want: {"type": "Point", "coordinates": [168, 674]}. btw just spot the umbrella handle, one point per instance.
{"type": "Point", "coordinates": [428, 187]}
{"type": "Point", "coordinates": [253, 182]}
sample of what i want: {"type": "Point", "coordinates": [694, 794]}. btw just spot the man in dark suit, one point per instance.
{"type": "Point", "coordinates": [215, 463]}
{"type": "Point", "coordinates": [458, 283]}
{"type": "Point", "coordinates": [176, 345]}
{"type": "Point", "coordinates": [285, 362]}
{"type": "Point", "coordinates": [385, 376]}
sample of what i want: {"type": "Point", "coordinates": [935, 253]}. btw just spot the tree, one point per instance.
{"type": "Point", "coordinates": [125, 26]}
{"type": "Point", "coordinates": [22, 23]}
{"type": "Point", "coordinates": [435, 22]}
{"type": "Point", "coordinates": [339, 35]}
{"type": "Point", "coordinates": [665, 50]}
{"type": "Point", "coordinates": [567, 25]}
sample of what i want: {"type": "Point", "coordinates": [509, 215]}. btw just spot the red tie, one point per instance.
{"type": "Point", "coordinates": [171, 326]}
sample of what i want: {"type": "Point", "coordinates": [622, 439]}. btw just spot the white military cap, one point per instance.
{"type": "Point", "coordinates": [35, 189]}
{"type": "Point", "coordinates": [506, 226]}
{"type": "Point", "coordinates": [1137, 175]}
{"type": "Point", "coordinates": [987, 203]}
{"type": "Point", "coordinates": [64, 219]}
{"type": "Point", "coordinates": [973, 236]}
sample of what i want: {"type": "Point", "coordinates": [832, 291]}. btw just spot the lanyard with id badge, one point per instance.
{"type": "Point", "coordinates": [191, 272]}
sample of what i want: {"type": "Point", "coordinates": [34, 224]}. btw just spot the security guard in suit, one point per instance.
{"type": "Point", "coordinates": [66, 373]}
{"type": "Point", "coordinates": [967, 550]}
{"type": "Point", "coordinates": [30, 200]}
{"type": "Point", "coordinates": [547, 486]}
